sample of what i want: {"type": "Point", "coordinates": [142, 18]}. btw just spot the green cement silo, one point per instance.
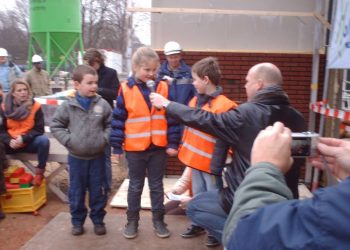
{"type": "Point", "coordinates": [55, 30]}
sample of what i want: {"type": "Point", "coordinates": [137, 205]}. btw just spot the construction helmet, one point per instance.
{"type": "Point", "coordinates": [172, 48]}
{"type": "Point", "coordinates": [36, 59]}
{"type": "Point", "coordinates": [3, 52]}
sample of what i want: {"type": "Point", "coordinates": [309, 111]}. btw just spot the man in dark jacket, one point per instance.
{"type": "Point", "coordinates": [267, 103]}
{"type": "Point", "coordinates": [108, 86]}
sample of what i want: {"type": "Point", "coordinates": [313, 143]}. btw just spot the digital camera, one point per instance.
{"type": "Point", "coordinates": [304, 144]}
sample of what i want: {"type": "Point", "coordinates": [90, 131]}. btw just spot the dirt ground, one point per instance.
{"type": "Point", "coordinates": [17, 229]}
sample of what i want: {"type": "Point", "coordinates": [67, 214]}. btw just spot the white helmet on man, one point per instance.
{"type": "Point", "coordinates": [3, 52]}
{"type": "Point", "coordinates": [172, 48]}
{"type": "Point", "coordinates": [36, 59]}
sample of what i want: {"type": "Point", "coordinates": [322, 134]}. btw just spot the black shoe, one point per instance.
{"type": "Point", "coordinates": [160, 228]}
{"type": "Point", "coordinates": [130, 230]}
{"type": "Point", "coordinates": [77, 230]}
{"type": "Point", "coordinates": [193, 231]}
{"type": "Point", "coordinates": [2, 215]}
{"type": "Point", "coordinates": [212, 241]}
{"type": "Point", "coordinates": [100, 229]}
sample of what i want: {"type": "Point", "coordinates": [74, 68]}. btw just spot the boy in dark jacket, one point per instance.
{"type": "Point", "coordinates": [82, 125]}
{"type": "Point", "coordinates": [108, 86]}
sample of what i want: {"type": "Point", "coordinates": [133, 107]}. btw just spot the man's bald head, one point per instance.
{"type": "Point", "coordinates": [268, 73]}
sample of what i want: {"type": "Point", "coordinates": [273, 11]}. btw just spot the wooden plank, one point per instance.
{"type": "Point", "coordinates": [302, 52]}
{"type": "Point", "coordinates": [324, 22]}
{"type": "Point", "coordinates": [222, 12]}
{"type": "Point", "coordinates": [61, 158]}
{"type": "Point", "coordinates": [316, 15]}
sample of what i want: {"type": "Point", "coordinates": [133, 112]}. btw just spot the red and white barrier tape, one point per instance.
{"type": "Point", "coordinates": [45, 101]}
{"type": "Point", "coordinates": [322, 108]}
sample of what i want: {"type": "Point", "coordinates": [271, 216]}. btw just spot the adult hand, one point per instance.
{"type": "Point", "coordinates": [273, 145]}
{"type": "Point", "coordinates": [19, 139]}
{"type": "Point", "coordinates": [158, 100]}
{"type": "Point", "coordinates": [15, 144]}
{"type": "Point", "coordinates": [171, 152]}
{"type": "Point", "coordinates": [336, 154]}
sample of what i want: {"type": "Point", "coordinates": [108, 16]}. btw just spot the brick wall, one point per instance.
{"type": "Point", "coordinates": [296, 70]}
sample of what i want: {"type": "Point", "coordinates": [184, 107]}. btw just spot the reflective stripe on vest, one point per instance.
{"type": "Point", "coordinates": [183, 81]}
{"type": "Point", "coordinates": [198, 147]}
{"type": "Point", "coordinates": [142, 126]}
{"type": "Point", "coordinates": [22, 127]}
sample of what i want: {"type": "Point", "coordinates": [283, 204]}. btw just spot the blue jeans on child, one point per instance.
{"type": "Point", "coordinates": [203, 182]}
{"type": "Point", "coordinates": [108, 166]}
{"type": "Point", "coordinates": [40, 145]}
{"type": "Point", "coordinates": [205, 211]}
{"type": "Point", "coordinates": [87, 175]}
{"type": "Point", "coordinates": [152, 161]}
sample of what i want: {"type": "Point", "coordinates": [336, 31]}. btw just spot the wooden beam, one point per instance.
{"type": "Point", "coordinates": [221, 11]}
{"type": "Point", "coordinates": [308, 52]}
{"type": "Point", "coordinates": [318, 16]}
{"type": "Point", "coordinates": [325, 23]}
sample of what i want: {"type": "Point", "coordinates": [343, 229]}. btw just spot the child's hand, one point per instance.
{"type": "Point", "coordinates": [171, 151]}
{"type": "Point", "coordinates": [184, 202]}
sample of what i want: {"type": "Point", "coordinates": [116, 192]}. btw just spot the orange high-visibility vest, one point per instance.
{"type": "Point", "coordinates": [22, 127]}
{"type": "Point", "coordinates": [142, 126]}
{"type": "Point", "coordinates": [197, 148]}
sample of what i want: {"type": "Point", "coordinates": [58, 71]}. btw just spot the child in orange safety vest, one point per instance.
{"type": "Point", "coordinates": [143, 132]}
{"type": "Point", "coordinates": [197, 149]}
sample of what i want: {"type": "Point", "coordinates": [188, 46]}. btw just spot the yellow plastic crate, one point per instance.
{"type": "Point", "coordinates": [24, 199]}
{"type": "Point", "coordinates": [10, 170]}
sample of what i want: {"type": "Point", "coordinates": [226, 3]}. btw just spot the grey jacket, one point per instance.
{"type": "Point", "coordinates": [85, 134]}
{"type": "Point", "coordinates": [263, 184]}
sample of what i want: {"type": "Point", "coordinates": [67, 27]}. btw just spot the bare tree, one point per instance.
{"type": "Point", "coordinates": [14, 30]}
{"type": "Point", "coordinates": [104, 25]}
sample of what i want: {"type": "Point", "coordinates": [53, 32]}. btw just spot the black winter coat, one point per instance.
{"type": "Point", "coordinates": [238, 128]}
{"type": "Point", "coordinates": [108, 84]}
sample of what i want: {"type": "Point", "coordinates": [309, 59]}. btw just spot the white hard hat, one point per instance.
{"type": "Point", "coordinates": [3, 52]}
{"type": "Point", "coordinates": [36, 59]}
{"type": "Point", "coordinates": [172, 48]}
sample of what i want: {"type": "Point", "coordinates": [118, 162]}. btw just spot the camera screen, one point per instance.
{"type": "Point", "coordinates": [301, 146]}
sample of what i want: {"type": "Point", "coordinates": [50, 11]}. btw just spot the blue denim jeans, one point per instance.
{"type": "Point", "coordinates": [203, 182]}
{"type": "Point", "coordinates": [108, 165]}
{"type": "Point", "coordinates": [40, 145]}
{"type": "Point", "coordinates": [205, 211]}
{"type": "Point", "coordinates": [87, 175]}
{"type": "Point", "coordinates": [153, 163]}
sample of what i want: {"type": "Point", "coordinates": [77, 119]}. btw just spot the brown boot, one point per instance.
{"type": "Point", "coordinates": [39, 177]}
